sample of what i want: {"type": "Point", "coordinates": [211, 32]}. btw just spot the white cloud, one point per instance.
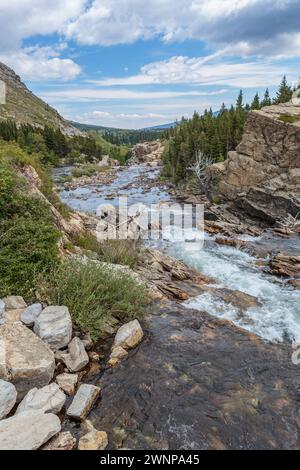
{"type": "Point", "coordinates": [261, 24]}
{"type": "Point", "coordinates": [91, 94]}
{"type": "Point", "coordinates": [204, 71]}
{"type": "Point", "coordinates": [41, 63]}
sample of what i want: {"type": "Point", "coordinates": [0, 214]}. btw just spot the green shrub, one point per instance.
{"type": "Point", "coordinates": [93, 293]}
{"type": "Point", "coordinates": [289, 119]}
{"type": "Point", "coordinates": [117, 251]}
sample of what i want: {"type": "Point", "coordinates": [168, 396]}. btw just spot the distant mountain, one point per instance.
{"type": "Point", "coordinates": [161, 127]}
{"type": "Point", "coordinates": [25, 108]}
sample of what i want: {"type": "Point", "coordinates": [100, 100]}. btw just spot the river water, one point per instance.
{"type": "Point", "coordinates": [278, 317]}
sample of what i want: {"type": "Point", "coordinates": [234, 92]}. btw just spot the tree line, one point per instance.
{"type": "Point", "coordinates": [214, 134]}
{"type": "Point", "coordinates": [51, 144]}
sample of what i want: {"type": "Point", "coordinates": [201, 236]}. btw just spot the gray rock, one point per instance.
{"type": "Point", "coordinates": [25, 360]}
{"type": "Point", "coordinates": [28, 430]}
{"type": "Point", "coordinates": [83, 401]}
{"type": "Point", "coordinates": [31, 313]}
{"type": "Point", "coordinates": [67, 382]}
{"type": "Point", "coordinates": [49, 399]}
{"type": "Point", "coordinates": [8, 398]}
{"type": "Point", "coordinates": [14, 302]}
{"type": "Point", "coordinates": [54, 326]}
{"type": "Point", "coordinates": [2, 308]}
{"type": "Point", "coordinates": [129, 335]}
{"type": "Point", "coordinates": [77, 359]}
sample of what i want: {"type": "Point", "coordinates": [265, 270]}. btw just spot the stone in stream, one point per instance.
{"type": "Point", "coordinates": [8, 398]}
{"type": "Point", "coordinates": [77, 359]}
{"type": "Point", "coordinates": [54, 326]}
{"type": "Point", "coordinates": [63, 441]}
{"type": "Point", "coordinates": [117, 354]}
{"type": "Point", "coordinates": [25, 360]}
{"type": "Point", "coordinates": [30, 314]}
{"type": "Point", "coordinates": [14, 302]}
{"type": "Point", "coordinates": [93, 440]}
{"type": "Point", "coordinates": [28, 430]}
{"type": "Point", "coordinates": [67, 382]}
{"type": "Point", "coordinates": [83, 401]}
{"type": "Point", "coordinates": [129, 335]}
{"type": "Point", "coordinates": [49, 399]}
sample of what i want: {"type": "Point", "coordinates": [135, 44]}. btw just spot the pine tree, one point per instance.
{"type": "Point", "coordinates": [284, 93]}
{"type": "Point", "coordinates": [256, 102]}
{"type": "Point", "coordinates": [267, 100]}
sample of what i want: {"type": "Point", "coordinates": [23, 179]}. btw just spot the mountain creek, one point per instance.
{"type": "Point", "coordinates": [210, 373]}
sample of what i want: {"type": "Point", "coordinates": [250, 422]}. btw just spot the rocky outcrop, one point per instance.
{"type": "Point", "coordinates": [262, 177]}
{"type": "Point", "coordinates": [147, 152]}
{"type": "Point", "coordinates": [24, 107]}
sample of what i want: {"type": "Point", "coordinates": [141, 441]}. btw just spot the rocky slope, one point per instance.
{"type": "Point", "coordinates": [147, 152]}
{"type": "Point", "coordinates": [262, 177]}
{"type": "Point", "coordinates": [24, 107]}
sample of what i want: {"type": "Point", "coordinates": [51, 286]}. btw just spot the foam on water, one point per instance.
{"type": "Point", "coordinates": [279, 316]}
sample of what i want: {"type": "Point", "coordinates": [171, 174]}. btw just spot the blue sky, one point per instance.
{"type": "Point", "coordinates": [131, 63]}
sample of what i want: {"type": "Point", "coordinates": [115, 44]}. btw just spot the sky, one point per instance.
{"type": "Point", "coordinates": [139, 63]}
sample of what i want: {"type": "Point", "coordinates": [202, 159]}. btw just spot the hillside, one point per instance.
{"type": "Point", "coordinates": [24, 107]}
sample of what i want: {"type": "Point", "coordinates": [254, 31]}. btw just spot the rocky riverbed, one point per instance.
{"type": "Point", "coordinates": [219, 346]}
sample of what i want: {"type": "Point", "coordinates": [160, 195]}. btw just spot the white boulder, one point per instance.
{"type": "Point", "coordinates": [30, 314]}
{"type": "Point", "coordinates": [49, 399]}
{"type": "Point", "coordinates": [54, 326]}
{"type": "Point", "coordinates": [8, 398]}
{"type": "Point", "coordinates": [28, 430]}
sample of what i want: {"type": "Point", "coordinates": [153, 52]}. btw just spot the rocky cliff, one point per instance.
{"type": "Point", "coordinates": [262, 177]}
{"type": "Point", "coordinates": [24, 107]}
{"type": "Point", "coordinates": [147, 152]}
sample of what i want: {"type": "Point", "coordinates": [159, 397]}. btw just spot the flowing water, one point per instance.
{"type": "Point", "coordinates": [277, 319]}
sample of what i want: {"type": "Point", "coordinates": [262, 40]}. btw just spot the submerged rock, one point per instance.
{"type": "Point", "coordinates": [25, 360]}
{"type": "Point", "coordinates": [28, 431]}
{"type": "Point", "coordinates": [54, 326]}
{"type": "Point", "coordinates": [83, 401]}
{"type": "Point", "coordinates": [31, 313]}
{"type": "Point", "coordinates": [93, 440]}
{"type": "Point", "coordinates": [14, 302]}
{"type": "Point", "coordinates": [8, 398]}
{"type": "Point", "coordinates": [49, 399]}
{"type": "Point", "coordinates": [194, 384]}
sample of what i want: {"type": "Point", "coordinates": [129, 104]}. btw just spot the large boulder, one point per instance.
{"type": "Point", "coordinates": [262, 177]}
{"type": "Point", "coordinates": [8, 398]}
{"type": "Point", "coordinates": [49, 399]}
{"type": "Point", "coordinates": [28, 431]}
{"type": "Point", "coordinates": [83, 401]}
{"type": "Point", "coordinates": [54, 326]}
{"type": "Point", "coordinates": [25, 360]}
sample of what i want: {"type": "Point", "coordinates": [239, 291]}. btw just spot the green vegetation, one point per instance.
{"type": "Point", "coordinates": [127, 137]}
{"type": "Point", "coordinates": [213, 134]}
{"type": "Point", "coordinates": [94, 294]}
{"type": "Point", "coordinates": [289, 119]}
{"type": "Point", "coordinates": [28, 238]}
